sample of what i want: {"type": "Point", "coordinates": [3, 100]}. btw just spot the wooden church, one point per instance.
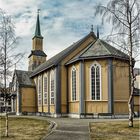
{"type": "Point", "coordinates": [90, 76]}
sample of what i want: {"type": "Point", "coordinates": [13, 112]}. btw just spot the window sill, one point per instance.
{"type": "Point", "coordinates": [96, 100]}
{"type": "Point", "coordinates": [73, 101]}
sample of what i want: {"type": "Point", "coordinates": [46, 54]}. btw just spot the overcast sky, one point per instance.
{"type": "Point", "coordinates": [62, 23]}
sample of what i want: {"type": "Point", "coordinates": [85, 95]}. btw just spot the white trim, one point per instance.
{"type": "Point", "coordinates": [73, 69]}
{"type": "Point", "coordinates": [74, 115]}
{"type": "Point", "coordinates": [95, 62]}
{"type": "Point", "coordinates": [96, 100]}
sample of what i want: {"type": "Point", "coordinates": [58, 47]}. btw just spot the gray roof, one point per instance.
{"type": "Point", "coordinates": [99, 49]}
{"type": "Point", "coordinates": [60, 56]}
{"type": "Point", "coordinates": [23, 78]}
{"type": "Point", "coordinates": [37, 53]}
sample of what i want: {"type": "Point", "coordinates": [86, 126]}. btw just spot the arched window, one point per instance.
{"type": "Point", "coordinates": [73, 83]}
{"type": "Point", "coordinates": [52, 87]}
{"type": "Point", "coordinates": [39, 91]}
{"type": "Point", "coordinates": [45, 89]}
{"type": "Point", "coordinates": [95, 78]}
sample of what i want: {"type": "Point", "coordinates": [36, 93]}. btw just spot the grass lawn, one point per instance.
{"type": "Point", "coordinates": [24, 128]}
{"type": "Point", "coordinates": [117, 130]}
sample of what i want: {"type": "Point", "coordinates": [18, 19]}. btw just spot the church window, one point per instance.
{"type": "Point", "coordinates": [45, 89]}
{"type": "Point", "coordinates": [39, 91]}
{"type": "Point", "coordinates": [52, 87]}
{"type": "Point", "coordinates": [73, 84]}
{"type": "Point", "coordinates": [95, 81]}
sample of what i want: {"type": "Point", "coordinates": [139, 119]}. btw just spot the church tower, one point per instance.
{"type": "Point", "coordinates": [37, 55]}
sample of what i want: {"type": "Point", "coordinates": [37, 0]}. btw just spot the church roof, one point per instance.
{"type": "Point", "coordinates": [23, 78]}
{"type": "Point", "coordinates": [37, 53]}
{"type": "Point", "coordinates": [60, 56]}
{"type": "Point", "coordinates": [99, 49]}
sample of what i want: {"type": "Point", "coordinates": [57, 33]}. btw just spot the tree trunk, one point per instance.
{"type": "Point", "coordinates": [130, 101]}
{"type": "Point", "coordinates": [6, 130]}
{"type": "Point", "coordinates": [131, 63]}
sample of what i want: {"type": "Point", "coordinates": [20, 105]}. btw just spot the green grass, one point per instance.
{"type": "Point", "coordinates": [24, 129]}
{"type": "Point", "coordinates": [114, 131]}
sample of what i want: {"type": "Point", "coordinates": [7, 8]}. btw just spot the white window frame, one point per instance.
{"type": "Point", "coordinates": [73, 69]}
{"type": "Point", "coordinates": [45, 92]}
{"type": "Point", "coordinates": [39, 91]}
{"type": "Point", "coordinates": [93, 65]}
{"type": "Point", "coordinates": [52, 97]}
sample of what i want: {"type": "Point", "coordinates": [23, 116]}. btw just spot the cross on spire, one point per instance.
{"type": "Point", "coordinates": [92, 28]}
{"type": "Point", "coordinates": [38, 11]}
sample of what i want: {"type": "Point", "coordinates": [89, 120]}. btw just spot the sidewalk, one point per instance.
{"type": "Point", "coordinates": [69, 129]}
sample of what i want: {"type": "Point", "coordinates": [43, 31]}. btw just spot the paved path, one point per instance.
{"type": "Point", "coordinates": [69, 129]}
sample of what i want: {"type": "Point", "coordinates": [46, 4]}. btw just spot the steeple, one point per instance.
{"type": "Point", "coordinates": [37, 30]}
{"type": "Point", "coordinates": [37, 55]}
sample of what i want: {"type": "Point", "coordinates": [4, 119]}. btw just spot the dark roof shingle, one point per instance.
{"type": "Point", "coordinates": [23, 78]}
{"type": "Point", "coordinates": [37, 53]}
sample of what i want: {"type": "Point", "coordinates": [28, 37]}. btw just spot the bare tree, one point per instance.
{"type": "Point", "coordinates": [8, 55]}
{"type": "Point", "coordinates": [124, 15]}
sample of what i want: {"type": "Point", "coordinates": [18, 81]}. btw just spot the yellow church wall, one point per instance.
{"type": "Point", "coordinates": [28, 100]}
{"type": "Point", "coordinates": [45, 108]}
{"type": "Point", "coordinates": [120, 107]}
{"type": "Point", "coordinates": [63, 89]}
{"type": "Point", "coordinates": [74, 107]}
{"type": "Point", "coordinates": [40, 109]}
{"type": "Point", "coordinates": [120, 86]}
{"type": "Point", "coordinates": [96, 107]}
{"type": "Point", "coordinates": [52, 108]}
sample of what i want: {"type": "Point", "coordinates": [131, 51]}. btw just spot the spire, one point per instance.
{"type": "Point", "coordinates": [91, 28]}
{"type": "Point", "coordinates": [37, 30]}
{"type": "Point", "coordinates": [97, 32]}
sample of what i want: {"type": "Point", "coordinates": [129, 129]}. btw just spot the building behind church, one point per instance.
{"type": "Point", "coordinates": [90, 76]}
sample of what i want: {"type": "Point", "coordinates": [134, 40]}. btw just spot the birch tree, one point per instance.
{"type": "Point", "coordinates": [124, 15]}
{"type": "Point", "coordinates": [8, 55]}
